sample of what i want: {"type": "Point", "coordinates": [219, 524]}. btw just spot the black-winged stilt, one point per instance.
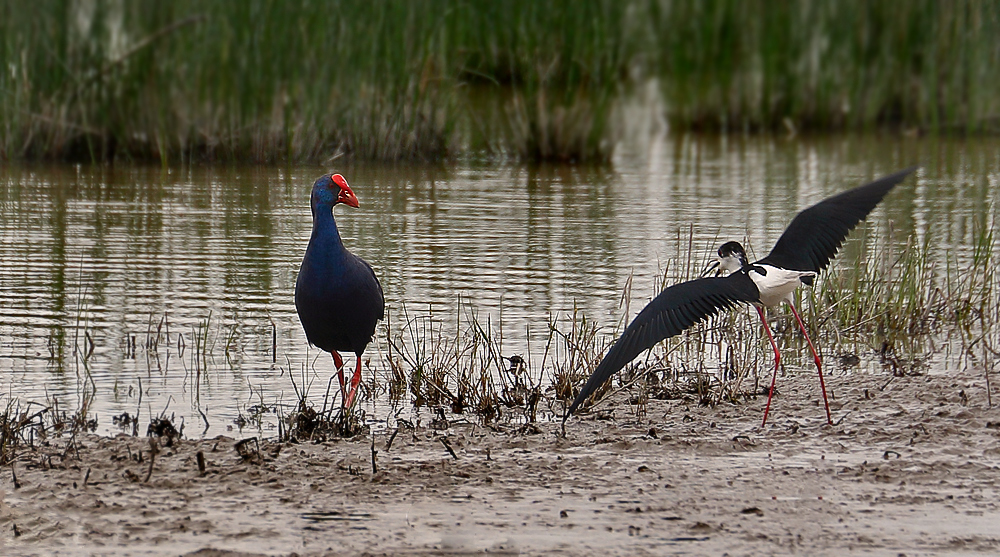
{"type": "Point", "coordinates": [803, 250]}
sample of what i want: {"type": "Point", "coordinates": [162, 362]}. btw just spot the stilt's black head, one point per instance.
{"type": "Point", "coordinates": [732, 257]}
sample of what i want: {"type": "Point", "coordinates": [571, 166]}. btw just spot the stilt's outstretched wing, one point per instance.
{"type": "Point", "coordinates": [671, 312]}
{"type": "Point", "coordinates": [815, 234]}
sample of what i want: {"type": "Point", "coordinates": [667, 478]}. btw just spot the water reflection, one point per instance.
{"type": "Point", "coordinates": [203, 261]}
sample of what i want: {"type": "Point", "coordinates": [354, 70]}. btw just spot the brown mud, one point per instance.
{"type": "Point", "coordinates": [912, 468]}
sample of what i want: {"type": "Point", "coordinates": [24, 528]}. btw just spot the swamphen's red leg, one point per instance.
{"type": "Point", "coordinates": [355, 381]}
{"type": "Point", "coordinates": [339, 363]}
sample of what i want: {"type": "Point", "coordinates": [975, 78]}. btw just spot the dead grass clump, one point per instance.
{"type": "Point", "coordinates": [125, 422]}
{"type": "Point", "coordinates": [461, 368]}
{"type": "Point", "coordinates": [574, 355]}
{"type": "Point", "coordinates": [163, 427]}
{"type": "Point", "coordinates": [308, 424]}
{"type": "Point", "coordinates": [20, 427]}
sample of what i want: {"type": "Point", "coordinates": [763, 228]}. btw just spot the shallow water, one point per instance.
{"type": "Point", "coordinates": [95, 260]}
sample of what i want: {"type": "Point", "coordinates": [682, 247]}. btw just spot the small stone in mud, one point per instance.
{"type": "Point", "coordinates": [849, 360]}
{"type": "Point", "coordinates": [752, 510]}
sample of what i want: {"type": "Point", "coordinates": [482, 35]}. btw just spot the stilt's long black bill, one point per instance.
{"type": "Point", "coordinates": [711, 267]}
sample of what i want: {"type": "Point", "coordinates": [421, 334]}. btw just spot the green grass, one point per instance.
{"type": "Point", "coordinates": [267, 81]}
{"type": "Point", "coordinates": [895, 302]}
{"type": "Point", "coordinates": [825, 65]}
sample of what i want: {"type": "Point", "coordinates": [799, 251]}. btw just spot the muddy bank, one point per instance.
{"type": "Point", "coordinates": [913, 469]}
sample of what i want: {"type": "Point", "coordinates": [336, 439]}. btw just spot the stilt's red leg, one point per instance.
{"type": "Point", "coordinates": [338, 362]}
{"type": "Point", "coordinates": [777, 362]}
{"type": "Point", "coordinates": [355, 381]}
{"type": "Point", "coordinates": [819, 367]}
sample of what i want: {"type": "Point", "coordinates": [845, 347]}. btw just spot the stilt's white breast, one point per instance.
{"type": "Point", "coordinates": [776, 284]}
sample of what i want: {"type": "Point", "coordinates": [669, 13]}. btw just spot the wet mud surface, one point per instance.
{"type": "Point", "coordinates": [912, 469]}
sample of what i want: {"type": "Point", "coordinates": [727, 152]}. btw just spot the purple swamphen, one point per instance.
{"type": "Point", "coordinates": [337, 295]}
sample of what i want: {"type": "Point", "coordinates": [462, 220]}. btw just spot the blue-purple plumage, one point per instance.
{"type": "Point", "coordinates": [337, 295]}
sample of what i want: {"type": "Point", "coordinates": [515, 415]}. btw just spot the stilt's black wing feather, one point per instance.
{"type": "Point", "coordinates": [671, 312]}
{"type": "Point", "coordinates": [815, 234]}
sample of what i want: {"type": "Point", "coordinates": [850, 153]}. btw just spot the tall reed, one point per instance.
{"type": "Point", "coordinates": [255, 81]}
{"type": "Point", "coordinates": [263, 80]}
{"type": "Point", "coordinates": [830, 64]}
